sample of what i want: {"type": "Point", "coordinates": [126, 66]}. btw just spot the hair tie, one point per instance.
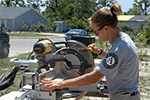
{"type": "Point", "coordinates": [114, 12]}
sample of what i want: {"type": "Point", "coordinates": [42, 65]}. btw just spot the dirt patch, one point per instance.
{"type": "Point", "coordinates": [144, 80]}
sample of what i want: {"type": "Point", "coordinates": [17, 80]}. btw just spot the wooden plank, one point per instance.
{"type": "Point", "coordinates": [11, 95]}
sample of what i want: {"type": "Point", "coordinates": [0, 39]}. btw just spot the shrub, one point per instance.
{"type": "Point", "coordinates": [32, 27]}
{"type": "Point", "coordinates": [48, 29]}
{"type": "Point", "coordinates": [147, 31]}
{"type": "Point", "coordinates": [125, 27]}
{"type": "Point", "coordinates": [142, 39]}
{"type": "Point", "coordinates": [41, 27]}
{"type": "Point", "coordinates": [37, 29]}
{"type": "Point", "coordinates": [147, 35]}
{"type": "Point", "coordinates": [133, 38]}
{"type": "Point", "coordinates": [9, 30]}
{"type": "Point", "coordinates": [148, 41]}
{"type": "Point", "coordinates": [25, 27]}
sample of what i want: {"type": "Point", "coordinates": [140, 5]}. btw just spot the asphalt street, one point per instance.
{"type": "Point", "coordinates": [19, 46]}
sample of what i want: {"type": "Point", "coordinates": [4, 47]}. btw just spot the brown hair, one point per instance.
{"type": "Point", "coordinates": [106, 16]}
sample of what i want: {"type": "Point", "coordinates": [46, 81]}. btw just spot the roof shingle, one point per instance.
{"type": "Point", "coordinates": [12, 12]}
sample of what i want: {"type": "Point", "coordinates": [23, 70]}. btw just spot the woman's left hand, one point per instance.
{"type": "Point", "coordinates": [51, 84]}
{"type": "Point", "coordinates": [94, 48]}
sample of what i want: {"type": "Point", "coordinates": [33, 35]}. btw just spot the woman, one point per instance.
{"type": "Point", "coordinates": [120, 64]}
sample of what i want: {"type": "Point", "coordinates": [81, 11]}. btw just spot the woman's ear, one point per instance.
{"type": "Point", "coordinates": [106, 28]}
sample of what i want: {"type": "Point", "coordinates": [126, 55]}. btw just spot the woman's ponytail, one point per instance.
{"type": "Point", "coordinates": [116, 9]}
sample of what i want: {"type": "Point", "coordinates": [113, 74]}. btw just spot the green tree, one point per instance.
{"type": "Point", "coordinates": [73, 12]}
{"type": "Point", "coordinates": [19, 3]}
{"type": "Point", "coordinates": [106, 3]}
{"type": "Point", "coordinates": [143, 5]}
{"type": "Point", "coordinates": [36, 4]}
{"type": "Point", "coordinates": [13, 3]}
{"type": "Point", "coordinates": [140, 7]}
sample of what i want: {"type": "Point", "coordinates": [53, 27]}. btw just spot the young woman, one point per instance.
{"type": "Point", "coordinates": [120, 64]}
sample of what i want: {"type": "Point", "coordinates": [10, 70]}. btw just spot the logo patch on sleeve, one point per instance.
{"type": "Point", "coordinates": [110, 61]}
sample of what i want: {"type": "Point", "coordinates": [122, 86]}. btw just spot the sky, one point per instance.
{"type": "Point", "coordinates": [126, 4]}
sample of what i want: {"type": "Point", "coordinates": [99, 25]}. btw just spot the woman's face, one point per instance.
{"type": "Point", "coordinates": [101, 32]}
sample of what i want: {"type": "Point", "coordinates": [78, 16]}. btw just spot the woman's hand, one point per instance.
{"type": "Point", "coordinates": [94, 48]}
{"type": "Point", "coordinates": [51, 84]}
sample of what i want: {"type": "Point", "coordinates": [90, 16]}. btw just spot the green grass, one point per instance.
{"type": "Point", "coordinates": [142, 45]}
{"type": "Point", "coordinates": [5, 66]}
{"type": "Point", "coordinates": [26, 35]}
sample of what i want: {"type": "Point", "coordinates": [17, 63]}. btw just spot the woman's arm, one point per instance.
{"type": "Point", "coordinates": [85, 79]}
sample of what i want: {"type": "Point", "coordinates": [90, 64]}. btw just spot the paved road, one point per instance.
{"type": "Point", "coordinates": [19, 46]}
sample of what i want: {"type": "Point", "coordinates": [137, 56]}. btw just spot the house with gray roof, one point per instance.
{"type": "Point", "coordinates": [134, 21]}
{"type": "Point", "coordinates": [15, 17]}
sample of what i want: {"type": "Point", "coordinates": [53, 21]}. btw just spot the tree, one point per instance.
{"type": "Point", "coordinates": [19, 3]}
{"type": "Point", "coordinates": [13, 3]}
{"type": "Point", "coordinates": [106, 3]}
{"type": "Point", "coordinates": [140, 7]}
{"type": "Point", "coordinates": [143, 5]}
{"type": "Point", "coordinates": [72, 12]}
{"type": "Point", "coordinates": [36, 4]}
{"type": "Point", "coordinates": [6, 3]}
{"type": "Point", "coordinates": [147, 32]}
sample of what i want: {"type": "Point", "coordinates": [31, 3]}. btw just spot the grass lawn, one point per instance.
{"type": "Point", "coordinates": [29, 35]}
{"type": "Point", "coordinates": [5, 66]}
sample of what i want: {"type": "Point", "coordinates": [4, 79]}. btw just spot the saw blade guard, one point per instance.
{"type": "Point", "coordinates": [79, 55]}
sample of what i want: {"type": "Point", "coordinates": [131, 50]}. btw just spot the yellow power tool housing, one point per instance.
{"type": "Point", "coordinates": [42, 47]}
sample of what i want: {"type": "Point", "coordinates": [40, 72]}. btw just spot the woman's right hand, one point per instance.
{"type": "Point", "coordinates": [94, 48]}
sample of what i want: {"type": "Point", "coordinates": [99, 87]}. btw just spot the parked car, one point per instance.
{"type": "Point", "coordinates": [4, 44]}
{"type": "Point", "coordinates": [75, 32]}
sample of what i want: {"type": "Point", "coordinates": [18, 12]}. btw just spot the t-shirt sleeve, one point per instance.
{"type": "Point", "coordinates": [111, 63]}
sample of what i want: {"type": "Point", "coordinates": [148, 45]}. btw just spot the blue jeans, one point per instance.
{"type": "Point", "coordinates": [125, 97]}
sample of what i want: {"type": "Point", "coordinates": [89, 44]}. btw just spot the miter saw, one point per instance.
{"type": "Point", "coordinates": [47, 60]}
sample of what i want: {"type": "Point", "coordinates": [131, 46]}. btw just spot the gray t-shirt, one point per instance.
{"type": "Point", "coordinates": [121, 66]}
